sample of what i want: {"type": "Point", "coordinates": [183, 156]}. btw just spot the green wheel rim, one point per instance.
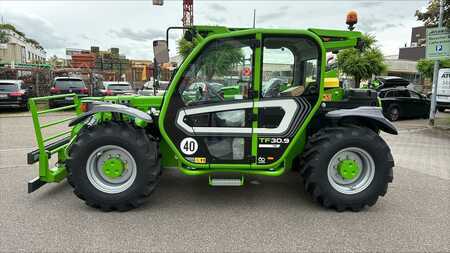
{"type": "Point", "coordinates": [111, 169]}
{"type": "Point", "coordinates": [351, 170]}
{"type": "Point", "coordinates": [348, 169]}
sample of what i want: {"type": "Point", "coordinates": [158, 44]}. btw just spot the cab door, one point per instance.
{"type": "Point", "coordinates": [290, 88]}
{"type": "Point", "coordinates": [209, 116]}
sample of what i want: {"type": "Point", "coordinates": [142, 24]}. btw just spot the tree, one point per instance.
{"type": "Point", "coordinates": [219, 61]}
{"type": "Point", "coordinates": [3, 37]}
{"type": "Point", "coordinates": [362, 64]}
{"type": "Point", "coordinates": [12, 28]}
{"type": "Point", "coordinates": [430, 16]}
{"type": "Point", "coordinates": [426, 67]}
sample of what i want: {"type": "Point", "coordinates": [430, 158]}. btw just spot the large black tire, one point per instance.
{"type": "Point", "coordinates": [441, 109]}
{"type": "Point", "coordinates": [320, 149]}
{"type": "Point", "coordinates": [135, 141]}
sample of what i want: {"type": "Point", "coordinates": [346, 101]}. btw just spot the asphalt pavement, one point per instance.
{"type": "Point", "coordinates": [267, 214]}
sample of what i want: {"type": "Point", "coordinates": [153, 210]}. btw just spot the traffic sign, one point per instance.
{"type": "Point", "coordinates": [438, 43]}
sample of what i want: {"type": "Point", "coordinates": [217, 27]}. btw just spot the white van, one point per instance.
{"type": "Point", "coordinates": [443, 90]}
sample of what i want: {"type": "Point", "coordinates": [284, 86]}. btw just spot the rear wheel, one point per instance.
{"type": "Point", "coordinates": [393, 113]}
{"type": "Point", "coordinates": [441, 109]}
{"type": "Point", "coordinates": [347, 167]}
{"type": "Point", "coordinates": [114, 166]}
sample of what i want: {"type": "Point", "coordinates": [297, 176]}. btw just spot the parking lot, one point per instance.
{"type": "Point", "coordinates": [267, 214]}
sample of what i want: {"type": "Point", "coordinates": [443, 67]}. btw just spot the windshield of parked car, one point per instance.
{"type": "Point", "coordinates": [9, 87]}
{"type": "Point", "coordinates": [118, 86]}
{"type": "Point", "coordinates": [69, 83]}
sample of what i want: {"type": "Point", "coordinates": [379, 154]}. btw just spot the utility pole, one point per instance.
{"type": "Point", "coordinates": [254, 18]}
{"type": "Point", "coordinates": [436, 72]}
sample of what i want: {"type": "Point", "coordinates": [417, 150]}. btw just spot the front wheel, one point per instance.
{"type": "Point", "coordinates": [113, 166]}
{"type": "Point", "coordinates": [347, 167]}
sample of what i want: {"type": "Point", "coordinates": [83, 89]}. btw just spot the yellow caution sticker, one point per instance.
{"type": "Point", "coordinates": [199, 159]}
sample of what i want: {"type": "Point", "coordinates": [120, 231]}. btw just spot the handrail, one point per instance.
{"type": "Point", "coordinates": [57, 109]}
{"type": "Point", "coordinates": [57, 135]}
{"type": "Point", "coordinates": [54, 96]}
{"type": "Point", "coordinates": [57, 122]}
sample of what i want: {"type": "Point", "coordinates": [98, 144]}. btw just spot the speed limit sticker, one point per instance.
{"type": "Point", "coordinates": [189, 146]}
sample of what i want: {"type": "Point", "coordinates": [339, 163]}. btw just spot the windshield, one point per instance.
{"type": "Point", "coordinates": [69, 83]}
{"type": "Point", "coordinates": [118, 86]}
{"type": "Point", "coordinates": [8, 87]}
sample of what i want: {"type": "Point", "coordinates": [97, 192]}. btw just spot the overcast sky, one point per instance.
{"type": "Point", "coordinates": [132, 25]}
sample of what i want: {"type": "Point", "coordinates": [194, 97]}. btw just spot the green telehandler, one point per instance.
{"type": "Point", "coordinates": [245, 101]}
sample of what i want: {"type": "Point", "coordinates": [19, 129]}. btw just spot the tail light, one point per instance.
{"type": "Point", "coordinates": [108, 92]}
{"type": "Point", "coordinates": [54, 90]}
{"type": "Point", "coordinates": [84, 90]}
{"type": "Point", "coordinates": [16, 94]}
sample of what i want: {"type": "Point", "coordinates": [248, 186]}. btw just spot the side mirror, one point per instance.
{"type": "Point", "coordinates": [161, 51]}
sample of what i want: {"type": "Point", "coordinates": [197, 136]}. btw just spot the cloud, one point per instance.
{"type": "Point", "coordinates": [49, 23]}
{"type": "Point", "coordinates": [37, 28]}
{"type": "Point", "coordinates": [84, 36]}
{"type": "Point", "coordinates": [214, 16]}
{"type": "Point", "coordinates": [274, 15]}
{"type": "Point", "coordinates": [216, 19]}
{"type": "Point", "coordinates": [370, 4]}
{"type": "Point", "coordinates": [373, 24]}
{"type": "Point", "coordinates": [217, 7]}
{"type": "Point", "coordinates": [145, 35]}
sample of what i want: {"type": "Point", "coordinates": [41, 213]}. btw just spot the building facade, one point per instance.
{"type": "Point", "coordinates": [140, 70]}
{"type": "Point", "coordinates": [416, 50]}
{"type": "Point", "coordinates": [20, 50]}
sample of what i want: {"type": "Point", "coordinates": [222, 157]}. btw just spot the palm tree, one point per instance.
{"type": "Point", "coordinates": [362, 64]}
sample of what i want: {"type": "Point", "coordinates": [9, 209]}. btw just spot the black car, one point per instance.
{"type": "Point", "coordinates": [13, 94]}
{"type": "Point", "coordinates": [384, 82]}
{"type": "Point", "coordinates": [400, 103]}
{"type": "Point", "coordinates": [67, 85]}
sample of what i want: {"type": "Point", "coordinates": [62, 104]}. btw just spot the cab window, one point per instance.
{"type": "Point", "coordinates": [222, 72]}
{"type": "Point", "coordinates": [290, 67]}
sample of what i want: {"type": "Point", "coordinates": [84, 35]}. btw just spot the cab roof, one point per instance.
{"type": "Point", "coordinates": [333, 40]}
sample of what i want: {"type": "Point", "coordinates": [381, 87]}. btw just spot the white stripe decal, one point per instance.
{"type": "Point", "coordinates": [289, 106]}
{"type": "Point", "coordinates": [269, 145]}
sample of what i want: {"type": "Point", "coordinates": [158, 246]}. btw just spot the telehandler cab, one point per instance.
{"type": "Point", "coordinates": [245, 101]}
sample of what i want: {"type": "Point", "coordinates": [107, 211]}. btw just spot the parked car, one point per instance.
{"type": "Point", "coordinates": [440, 105]}
{"type": "Point", "coordinates": [67, 85]}
{"type": "Point", "coordinates": [400, 103]}
{"type": "Point", "coordinates": [149, 90]}
{"type": "Point", "coordinates": [114, 88]}
{"type": "Point", "coordinates": [13, 94]}
{"type": "Point", "coordinates": [384, 82]}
